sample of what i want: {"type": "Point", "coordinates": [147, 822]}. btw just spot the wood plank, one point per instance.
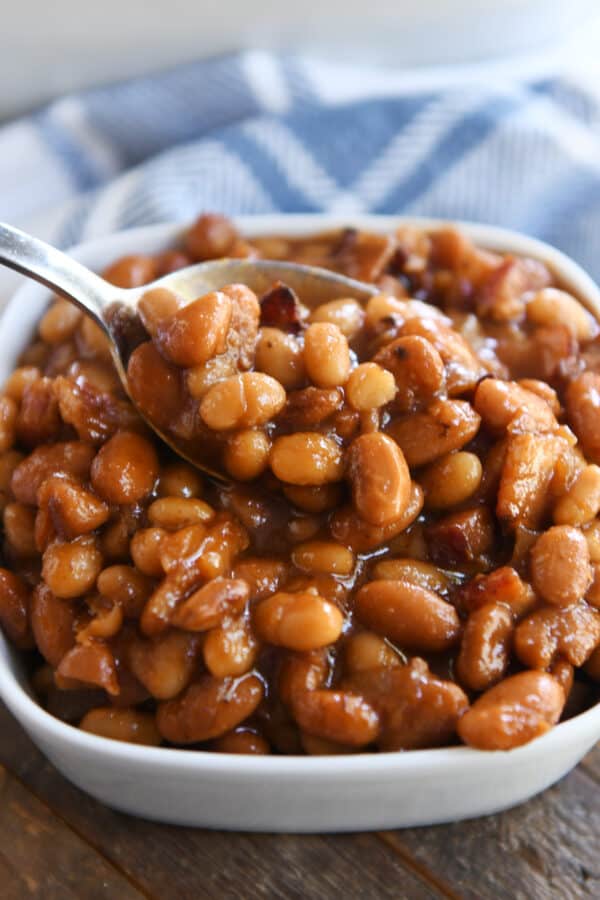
{"type": "Point", "coordinates": [546, 848]}
{"type": "Point", "coordinates": [591, 764]}
{"type": "Point", "coordinates": [171, 862]}
{"type": "Point", "coordinates": [41, 857]}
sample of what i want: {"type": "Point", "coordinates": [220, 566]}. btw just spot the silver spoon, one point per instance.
{"type": "Point", "coordinates": [110, 306]}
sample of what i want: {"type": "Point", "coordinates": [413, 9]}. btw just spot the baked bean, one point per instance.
{"type": "Point", "coordinates": [564, 673]}
{"type": "Point", "coordinates": [8, 463]}
{"type": "Point", "coordinates": [326, 355]}
{"type": "Point", "coordinates": [445, 426]}
{"type": "Point", "coordinates": [323, 556]}
{"type": "Point", "coordinates": [262, 575]}
{"type": "Point", "coordinates": [19, 529]}
{"type": "Point", "coordinates": [553, 307]}
{"type": "Point", "coordinates": [72, 458]}
{"type": "Point", "coordinates": [415, 571]}
{"type": "Point", "coordinates": [208, 606]}
{"type": "Point", "coordinates": [418, 370]}
{"type": "Point", "coordinates": [19, 380]}
{"type": "Point", "coordinates": [202, 552]}
{"type": "Point", "coordinates": [361, 536]}
{"type": "Point", "coordinates": [179, 480]}
{"type": "Point", "coordinates": [370, 386]}
{"type": "Point", "coordinates": [567, 469]}
{"type": "Point", "coordinates": [560, 565]}
{"type": "Point", "coordinates": [592, 596]}
{"type": "Point", "coordinates": [210, 236]}
{"type": "Point", "coordinates": [59, 322]}
{"type": "Point", "coordinates": [190, 556]}
{"type": "Point", "coordinates": [131, 271]}
{"type": "Point", "coordinates": [98, 375]}
{"type": "Point", "coordinates": [92, 341]}
{"type": "Point", "coordinates": [247, 454]}
{"type": "Point", "coordinates": [311, 406]}
{"type": "Point", "coordinates": [346, 313]}
{"type": "Point", "coordinates": [198, 379]}
{"type": "Point", "coordinates": [73, 509]}
{"type": "Point", "coordinates": [302, 621]}
{"type": "Point", "coordinates": [155, 386]}
{"type": "Point", "coordinates": [462, 368]}
{"type": "Point", "coordinates": [366, 650]}
{"type": "Point", "coordinates": [581, 503]}
{"type": "Point", "coordinates": [124, 586]}
{"type": "Point", "coordinates": [70, 569]}
{"type": "Point", "coordinates": [572, 632]}
{"type": "Point", "coordinates": [337, 716]}
{"type": "Point", "coordinates": [306, 459]}
{"type": "Point", "coordinates": [116, 535]}
{"type": "Point", "coordinates": [383, 308]}
{"type": "Point", "coordinates": [504, 585]}
{"type": "Point", "coordinates": [591, 532]}
{"type": "Point", "coordinates": [14, 609]}
{"type": "Point", "coordinates": [505, 403]}
{"type": "Point", "coordinates": [544, 391]}
{"type": "Point", "coordinates": [408, 614]}
{"type": "Point", "coordinates": [592, 666]}
{"type": "Point", "coordinates": [280, 355]}
{"type": "Point", "coordinates": [314, 499]}
{"type": "Point", "coordinates": [230, 650]}
{"type": "Point", "coordinates": [415, 708]}
{"type": "Point", "coordinates": [91, 663]}
{"type": "Point", "coordinates": [165, 665]}
{"type": "Point", "coordinates": [172, 513]}
{"type": "Point", "coordinates": [484, 651]}
{"type": "Point", "coordinates": [513, 712]}
{"type": "Point", "coordinates": [125, 468]}
{"type": "Point", "coordinates": [302, 672]}
{"type": "Point", "coordinates": [524, 490]}
{"type": "Point", "coordinates": [302, 528]}
{"type": "Point", "coordinates": [8, 422]}
{"type": "Point", "coordinates": [451, 480]}
{"type": "Point", "coordinates": [197, 331]}
{"type": "Point", "coordinates": [122, 725]}
{"type": "Point", "coordinates": [242, 401]}
{"type": "Point", "coordinates": [170, 261]}
{"type": "Point", "coordinates": [208, 709]}
{"type": "Point", "coordinates": [107, 622]}
{"type": "Point", "coordinates": [583, 405]}
{"type": "Point", "coordinates": [36, 354]}
{"type": "Point", "coordinates": [155, 307]}
{"type": "Point", "coordinates": [52, 624]}
{"type": "Point", "coordinates": [241, 741]}
{"type": "Point", "coordinates": [379, 477]}
{"type": "Point", "coordinates": [145, 551]}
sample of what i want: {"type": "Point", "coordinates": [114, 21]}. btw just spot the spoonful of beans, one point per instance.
{"type": "Point", "coordinates": [185, 346]}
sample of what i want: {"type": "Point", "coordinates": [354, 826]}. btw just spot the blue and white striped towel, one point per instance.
{"type": "Point", "coordinates": [257, 132]}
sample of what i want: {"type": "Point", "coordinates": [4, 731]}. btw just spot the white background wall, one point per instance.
{"type": "Point", "coordinates": [48, 47]}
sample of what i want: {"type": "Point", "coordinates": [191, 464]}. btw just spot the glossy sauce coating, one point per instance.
{"type": "Point", "coordinates": [409, 553]}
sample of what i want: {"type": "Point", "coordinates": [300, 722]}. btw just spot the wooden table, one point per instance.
{"type": "Point", "coordinates": [56, 842]}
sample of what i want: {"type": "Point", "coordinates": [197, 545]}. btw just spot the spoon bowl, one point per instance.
{"type": "Point", "coordinates": [113, 309]}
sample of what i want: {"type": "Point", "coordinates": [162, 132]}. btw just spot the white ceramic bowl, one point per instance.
{"type": "Point", "coordinates": [357, 792]}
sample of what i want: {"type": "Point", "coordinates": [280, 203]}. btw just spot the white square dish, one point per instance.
{"type": "Point", "coordinates": [278, 793]}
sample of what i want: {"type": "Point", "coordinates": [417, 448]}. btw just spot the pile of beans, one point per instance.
{"type": "Point", "coordinates": [408, 554]}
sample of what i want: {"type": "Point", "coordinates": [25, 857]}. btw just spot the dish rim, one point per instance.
{"type": "Point", "coordinates": [33, 716]}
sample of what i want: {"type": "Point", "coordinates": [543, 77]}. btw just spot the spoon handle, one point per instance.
{"type": "Point", "coordinates": [56, 270]}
